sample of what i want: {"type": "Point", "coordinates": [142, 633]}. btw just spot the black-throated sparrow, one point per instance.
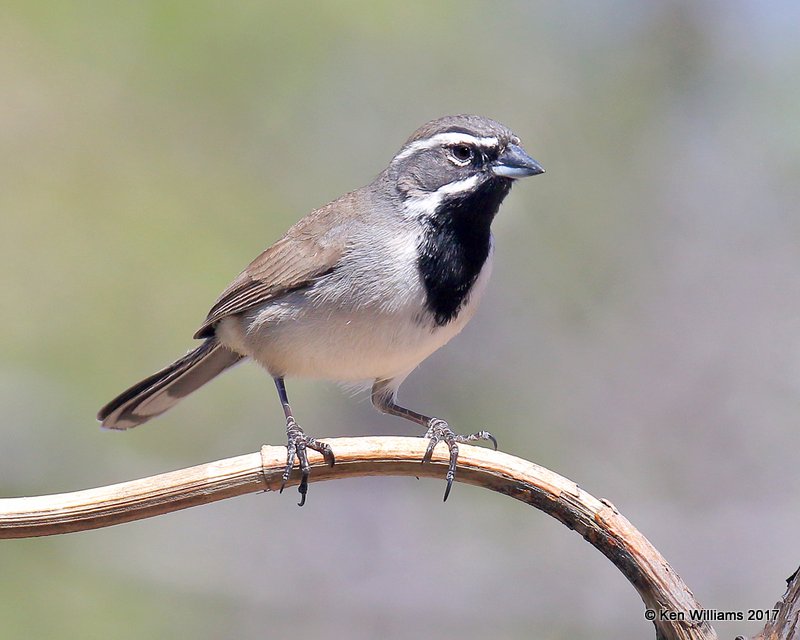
{"type": "Point", "coordinates": [362, 289]}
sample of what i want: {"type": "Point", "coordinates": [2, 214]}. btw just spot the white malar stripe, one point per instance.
{"type": "Point", "coordinates": [457, 187]}
{"type": "Point", "coordinates": [419, 206]}
{"type": "Point", "coordinates": [439, 139]}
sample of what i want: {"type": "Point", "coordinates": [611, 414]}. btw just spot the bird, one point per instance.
{"type": "Point", "coordinates": [361, 290]}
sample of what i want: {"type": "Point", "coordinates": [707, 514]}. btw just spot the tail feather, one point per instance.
{"type": "Point", "coordinates": [157, 393]}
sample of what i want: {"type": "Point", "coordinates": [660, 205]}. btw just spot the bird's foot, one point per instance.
{"type": "Point", "coordinates": [440, 431]}
{"type": "Point", "coordinates": [296, 447]}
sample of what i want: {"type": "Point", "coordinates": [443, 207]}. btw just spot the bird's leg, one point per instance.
{"type": "Point", "coordinates": [438, 430]}
{"type": "Point", "coordinates": [297, 443]}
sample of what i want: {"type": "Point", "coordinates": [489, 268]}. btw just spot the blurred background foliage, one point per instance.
{"type": "Point", "coordinates": [641, 334]}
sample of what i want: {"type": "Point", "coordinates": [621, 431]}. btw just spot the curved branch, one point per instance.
{"type": "Point", "coordinates": [598, 521]}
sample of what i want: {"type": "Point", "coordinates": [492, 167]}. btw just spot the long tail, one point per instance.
{"type": "Point", "coordinates": [154, 395]}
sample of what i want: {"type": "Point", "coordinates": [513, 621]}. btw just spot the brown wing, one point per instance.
{"type": "Point", "coordinates": [310, 249]}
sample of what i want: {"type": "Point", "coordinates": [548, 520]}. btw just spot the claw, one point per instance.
{"type": "Point", "coordinates": [480, 435]}
{"type": "Point", "coordinates": [438, 431]}
{"type": "Point", "coordinates": [434, 440]}
{"type": "Point", "coordinates": [327, 453]}
{"type": "Point", "coordinates": [303, 490]}
{"type": "Point", "coordinates": [291, 453]}
{"type": "Point", "coordinates": [297, 445]}
{"type": "Point", "coordinates": [447, 489]}
{"type": "Point", "coordinates": [451, 468]}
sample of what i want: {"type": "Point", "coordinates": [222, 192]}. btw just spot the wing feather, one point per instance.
{"type": "Point", "coordinates": [309, 250]}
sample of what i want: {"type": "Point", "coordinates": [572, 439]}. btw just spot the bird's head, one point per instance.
{"type": "Point", "coordinates": [456, 159]}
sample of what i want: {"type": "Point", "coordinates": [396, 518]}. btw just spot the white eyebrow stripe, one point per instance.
{"type": "Point", "coordinates": [452, 137]}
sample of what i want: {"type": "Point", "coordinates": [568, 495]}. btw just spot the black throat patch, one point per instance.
{"type": "Point", "coordinates": [455, 246]}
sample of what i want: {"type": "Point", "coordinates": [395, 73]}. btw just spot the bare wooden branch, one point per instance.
{"type": "Point", "coordinates": [598, 521]}
{"type": "Point", "coordinates": [787, 622]}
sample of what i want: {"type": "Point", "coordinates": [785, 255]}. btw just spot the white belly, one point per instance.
{"type": "Point", "coordinates": [315, 335]}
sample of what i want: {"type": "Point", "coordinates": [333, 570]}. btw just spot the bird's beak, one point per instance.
{"type": "Point", "coordinates": [515, 163]}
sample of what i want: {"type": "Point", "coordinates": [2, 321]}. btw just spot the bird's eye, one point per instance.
{"type": "Point", "coordinates": [461, 153]}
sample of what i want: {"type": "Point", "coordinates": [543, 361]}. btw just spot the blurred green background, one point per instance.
{"type": "Point", "coordinates": [641, 334]}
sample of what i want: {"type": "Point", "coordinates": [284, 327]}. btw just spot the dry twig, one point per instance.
{"type": "Point", "coordinates": [597, 521]}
